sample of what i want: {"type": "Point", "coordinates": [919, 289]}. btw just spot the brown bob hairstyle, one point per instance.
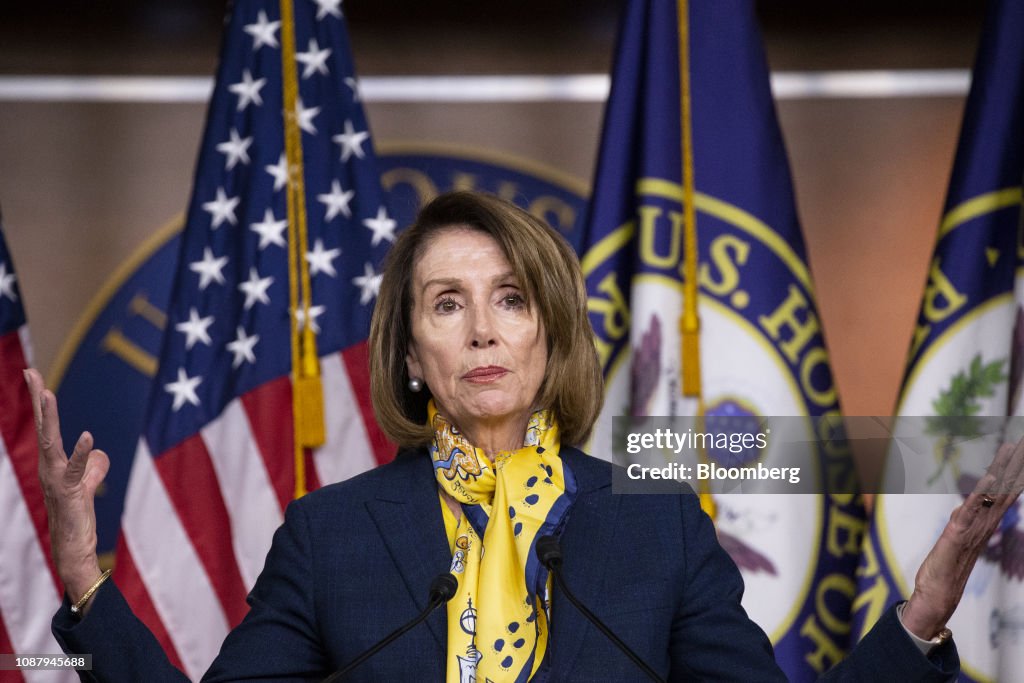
{"type": "Point", "coordinates": [549, 273]}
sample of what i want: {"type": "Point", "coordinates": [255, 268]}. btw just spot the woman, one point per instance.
{"type": "Point", "coordinates": [484, 371]}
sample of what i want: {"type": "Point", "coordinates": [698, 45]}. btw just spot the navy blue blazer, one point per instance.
{"type": "Point", "coordinates": [354, 560]}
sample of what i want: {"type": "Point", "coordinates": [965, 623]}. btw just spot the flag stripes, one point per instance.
{"type": "Point", "coordinates": [227, 487]}
{"type": "Point", "coordinates": [357, 442]}
{"type": "Point", "coordinates": [16, 427]}
{"type": "Point", "coordinates": [5, 646]}
{"type": "Point", "coordinates": [357, 370]}
{"type": "Point", "coordinates": [172, 570]}
{"type": "Point", "coordinates": [187, 475]}
{"type": "Point", "coordinates": [241, 476]}
{"type": "Point", "coordinates": [135, 592]}
{"type": "Point", "coordinates": [274, 437]}
{"type": "Point", "coordinates": [28, 596]}
{"type": "Point", "coordinates": [29, 588]}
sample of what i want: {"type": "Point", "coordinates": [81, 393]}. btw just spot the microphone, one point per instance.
{"type": "Point", "coordinates": [549, 552]}
{"type": "Point", "coordinates": [442, 589]}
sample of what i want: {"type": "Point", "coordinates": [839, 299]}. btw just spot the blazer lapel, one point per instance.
{"type": "Point", "coordinates": [586, 538]}
{"type": "Point", "coordinates": [408, 516]}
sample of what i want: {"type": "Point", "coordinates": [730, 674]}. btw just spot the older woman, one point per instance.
{"type": "Point", "coordinates": [484, 372]}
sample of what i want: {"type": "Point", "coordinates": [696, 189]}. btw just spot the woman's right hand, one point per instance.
{"type": "Point", "coordinates": [69, 489]}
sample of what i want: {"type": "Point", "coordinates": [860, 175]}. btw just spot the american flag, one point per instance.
{"type": "Point", "coordinates": [29, 588]}
{"type": "Point", "coordinates": [215, 464]}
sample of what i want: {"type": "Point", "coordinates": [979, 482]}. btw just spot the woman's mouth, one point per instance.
{"type": "Point", "coordinates": [485, 374]}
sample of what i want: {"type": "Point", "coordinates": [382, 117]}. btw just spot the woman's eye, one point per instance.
{"type": "Point", "coordinates": [513, 300]}
{"type": "Point", "coordinates": [446, 305]}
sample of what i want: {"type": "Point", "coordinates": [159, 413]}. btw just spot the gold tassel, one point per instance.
{"type": "Point", "coordinates": [707, 504]}
{"type": "Point", "coordinates": [309, 391]}
{"type": "Point", "coordinates": [690, 329]}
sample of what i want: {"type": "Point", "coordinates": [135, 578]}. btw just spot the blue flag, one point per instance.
{"type": "Point", "coordinates": [761, 352]}
{"type": "Point", "coordinates": [966, 361]}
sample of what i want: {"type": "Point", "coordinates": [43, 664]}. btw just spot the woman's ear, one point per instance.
{"type": "Point", "coordinates": [412, 363]}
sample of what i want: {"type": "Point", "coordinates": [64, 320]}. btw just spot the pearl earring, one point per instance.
{"type": "Point", "coordinates": [415, 385]}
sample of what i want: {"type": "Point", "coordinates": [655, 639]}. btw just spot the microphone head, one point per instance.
{"type": "Point", "coordinates": [549, 552]}
{"type": "Point", "coordinates": [443, 588]}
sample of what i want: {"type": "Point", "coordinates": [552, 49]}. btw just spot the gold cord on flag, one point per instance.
{"type": "Point", "coordinates": [689, 323]}
{"type": "Point", "coordinates": [307, 389]}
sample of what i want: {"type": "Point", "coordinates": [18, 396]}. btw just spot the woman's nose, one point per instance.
{"type": "Point", "coordinates": [482, 330]}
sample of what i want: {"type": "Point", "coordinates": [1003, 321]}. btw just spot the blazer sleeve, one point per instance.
{"type": "Point", "coordinates": [887, 653]}
{"type": "Point", "coordinates": [122, 648]}
{"type": "Point", "coordinates": [278, 639]}
{"type": "Point", "coordinates": [712, 636]}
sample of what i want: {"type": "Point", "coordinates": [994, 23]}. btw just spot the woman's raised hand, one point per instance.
{"type": "Point", "coordinates": [69, 489]}
{"type": "Point", "coordinates": [943, 575]}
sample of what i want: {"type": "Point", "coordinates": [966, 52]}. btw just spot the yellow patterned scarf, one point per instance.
{"type": "Point", "coordinates": [497, 624]}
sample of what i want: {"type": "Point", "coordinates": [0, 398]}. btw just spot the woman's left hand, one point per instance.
{"type": "Point", "coordinates": [941, 579]}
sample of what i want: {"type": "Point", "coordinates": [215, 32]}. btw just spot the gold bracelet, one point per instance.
{"type": "Point", "coordinates": [77, 607]}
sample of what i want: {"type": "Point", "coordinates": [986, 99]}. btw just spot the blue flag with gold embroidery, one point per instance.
{"type": "Point", "coordinates": [690, 128]}
{"type": "Point", "coordinates": [965, 363]}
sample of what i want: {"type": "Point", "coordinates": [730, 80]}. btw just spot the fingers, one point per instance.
{"type": "Point", "coordinates": [44, 410]}
{"type": "Point", "coordinates": [1003, 457]}
{"type": "Point", "coordinates": [35, 390]}
{"type": "Point", "coordinates": [1006, 474]}
{"type": "Point", "coordinates": [1014, 473]}
{"type": "Point", "coordinates": [1001, 485]}
{"type": "Point", "coordinates": [988, 484]}
{"type": "Point", "coordinates": [79, 459]}
{"type": "Point", "coordinates": [95, 471]}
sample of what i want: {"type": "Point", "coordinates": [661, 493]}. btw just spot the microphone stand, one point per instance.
{"type": "Point", "coordinates": [442, 588]}
{"type": "Point", "coordinates": [550, 555]}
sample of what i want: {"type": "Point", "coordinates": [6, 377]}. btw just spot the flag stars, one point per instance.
{"type": "Point", "coordinates": [271, 231]}
{"type": "Point", "coordinates": [305, 117]}
{"type": "Point", "coordinates": [382, 227]}
{"type": "Point", "coordinates": [314, 313]}
{"type": "Point", "coordinates": [322, 260]}
{"type": "Point", "coordinates": [279, 171]}
{"type": "Point", "coordinates": [7, 281]}
{"type": "Point", "coordinates": [236, 149]}
{"type": "Point", "coordinates": [369, 283]}
{"type": "Point", "coordinates": [222, 208]}
{"type": "Point", "coordinates": [255, 289]}
{"type": "Point", "coordinates": [262, 31]}
{"type": "Point", "coordinates": [195, 329]}
{"type": "Point", "coordinates": [242, 347]}
{"type": "Point", "coordinates": [336, 201]}
{"type": "Point", "coordinates": [325, 7]}
{"type": "Point", "coordinates": [248, 90]}
{"type": "Point", "coordinates": [315, 60]}
{"type": "Point", "coordinates": [183, 390]}
{"type": "Point", "coordinates": [209, 268]}
{"type": "Point", "coordinates": [351, 141]}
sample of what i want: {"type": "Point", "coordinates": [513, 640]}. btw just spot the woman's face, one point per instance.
{"type": "Point", "coordinates": [476, 342]}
